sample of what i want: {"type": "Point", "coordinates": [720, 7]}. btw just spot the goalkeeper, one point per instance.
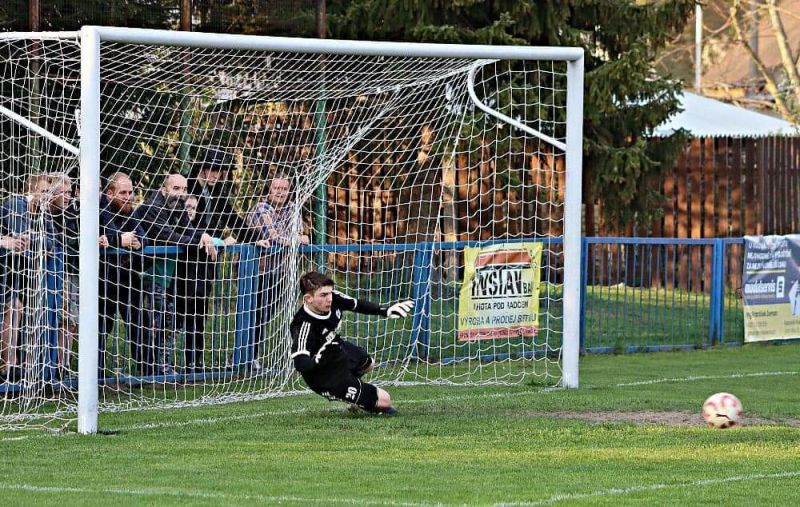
{"type": "Point", "coordinates": [331, 366]}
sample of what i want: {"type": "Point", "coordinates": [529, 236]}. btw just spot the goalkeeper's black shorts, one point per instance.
{"type": "Point", "coordinates": [358, 359]}
{"type": "Point", "coordinates": [347, 388]}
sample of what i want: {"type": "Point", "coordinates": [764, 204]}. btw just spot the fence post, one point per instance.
{"type": "Point", "coordinates": [584, 281]}
{"type": "Point", "coordinates": [420, 282]}
{"type": "Point", "coordinates": [717, 303]}
{"type": "Point", "coordinates": [53, 293]}
{"type": "Point", "coordinates": [720, 276]}
{"type": "Point", "coordinates": [246, 303]}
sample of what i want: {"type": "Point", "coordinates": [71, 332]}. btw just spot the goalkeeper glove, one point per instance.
{"type": "Point", "coordinates": [400, 309]}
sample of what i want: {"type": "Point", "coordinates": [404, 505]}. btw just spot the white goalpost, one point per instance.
{"type": "Point", "coordinates": [213, 170]}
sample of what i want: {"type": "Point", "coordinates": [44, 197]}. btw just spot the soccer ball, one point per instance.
{"type": "Point", "coordinates": [722, 410]}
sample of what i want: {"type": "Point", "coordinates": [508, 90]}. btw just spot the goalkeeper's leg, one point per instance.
{"type": "Point", "coordinates": [358, 393]}
{"type": "Point", "coordinates": [384, 403]}
{"type": "Point", "coordinates": [374, 400]}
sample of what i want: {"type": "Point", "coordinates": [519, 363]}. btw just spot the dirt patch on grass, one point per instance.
{"type": "Point", "coordinates": [654, 417]}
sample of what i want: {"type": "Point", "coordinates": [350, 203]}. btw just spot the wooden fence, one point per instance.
{"type": "Point", "coordinates": [730, 187]}
{"type": "Point", "coordinates": [719, 187]}
{"type": "Point", "coordinates": [722, 188]}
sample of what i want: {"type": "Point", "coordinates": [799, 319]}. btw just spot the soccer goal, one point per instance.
{"type": "Point", "coordinates": [162, 192]}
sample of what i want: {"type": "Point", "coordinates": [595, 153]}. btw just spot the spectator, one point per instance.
{"type": "Point", "coordinates": [159, 285]}
{"type": "Point", "coordinates": [17, 218]}
{"type": "Point", "coordinates": [121, 287]}
{"type": "Point", "coordinates": [166, 223]}
{"type": "Point", "coordinates": [66, 226]}
{"type": "Point", "coordinates": [191, 209]}
{"type": "Point", "coordinates": [278, 220]}
{"type": "Point", "coordinates": [215, 214]}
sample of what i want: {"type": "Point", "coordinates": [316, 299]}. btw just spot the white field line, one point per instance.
{"type": "Point", "coordinates": [709, 377]}
{"type": "Point", "coordinates": [258, 415]}
{"type": "Point", "coordinates": [208, 495]}
{"type": "Point", "coordinates": [569, 497]}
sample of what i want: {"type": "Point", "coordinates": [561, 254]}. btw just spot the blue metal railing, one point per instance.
{"type": "Point", "coordinates": [637, 293]}
{"type": "Point", "coordinates": [659, 293]}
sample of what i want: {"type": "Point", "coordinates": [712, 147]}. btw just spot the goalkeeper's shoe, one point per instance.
{"type": "Point", "coordinates": [389, 411]}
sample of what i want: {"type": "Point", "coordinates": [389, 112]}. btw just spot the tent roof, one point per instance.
{"type": "Point", "coordinates": [705, 117]}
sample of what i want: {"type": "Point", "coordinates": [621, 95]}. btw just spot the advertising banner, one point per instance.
{"type": "Point", "coordinates": [500, 294]}
{"type": "Point", "coordinates": [771, 288]}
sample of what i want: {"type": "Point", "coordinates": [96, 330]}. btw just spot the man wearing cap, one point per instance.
{"type": "Point", "coordinates": [215, 212]}
{"type": "Point", "coordinates": [216, 216]}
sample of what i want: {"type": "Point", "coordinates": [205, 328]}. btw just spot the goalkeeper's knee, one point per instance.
{"type": "Point", "coordinates": [384, 401]}
{"type": "Point", "coordinates": [365, 368]}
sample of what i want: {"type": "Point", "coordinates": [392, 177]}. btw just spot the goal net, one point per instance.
{"type": "Point", "coordinates": [230, 165]}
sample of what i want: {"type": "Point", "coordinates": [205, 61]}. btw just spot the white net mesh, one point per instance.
{"type": "Point", "coordinates": [227, 174]}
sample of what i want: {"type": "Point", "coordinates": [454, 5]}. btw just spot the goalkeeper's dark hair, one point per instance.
{"type": "Point", "coordinates": [312, 281]}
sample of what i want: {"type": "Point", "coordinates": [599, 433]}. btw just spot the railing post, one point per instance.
{"type": "Point", "coordinates": [420, 283]}
{"type": "Point", "coordinates": [53, 290]}
{"type": "Point", "coordinates": [245, 306]}
{"type": "Point", "coordinates": [717, 303]}
{"type": "Point", "coordinates": [720, 276]}
{"type": "Point", "coordinates": [584, 281]}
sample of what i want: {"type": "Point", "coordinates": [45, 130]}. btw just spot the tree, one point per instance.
{"type": "Point", "coordinates": [14, 16]}
{"type": "Point", "coordinates": [783, 82]}
{"type": "Point", "coordinates": [624, 99]}
{"type": "Point", "coordinates": [294, 18]}
{"type": "Point", "coordinates": [72, 14]}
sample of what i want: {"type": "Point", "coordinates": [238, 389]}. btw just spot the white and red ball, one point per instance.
{"type": "Point", "coordinates": [722, 410]}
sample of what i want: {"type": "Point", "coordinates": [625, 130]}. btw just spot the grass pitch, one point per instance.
{"type": "Point", "coordinates": [631, 434]}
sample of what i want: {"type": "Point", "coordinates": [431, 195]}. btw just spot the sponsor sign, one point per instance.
{"type": "Point", "coordinates": [500, 294]}
{"type": "Point", "coordinates": [771, 288]}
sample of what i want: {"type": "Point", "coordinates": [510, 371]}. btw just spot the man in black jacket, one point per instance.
{"type": "Point", "coordinates": [215, 212]}
{"type": "Point", "coordinates": [216, 215]}
{"type": "Point", "coordinates": [165, 222]}
{"type": "Point", "coordinates": [120, 283]}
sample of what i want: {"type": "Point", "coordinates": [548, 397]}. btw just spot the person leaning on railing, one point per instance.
{"type": "Point", "coordinates": [18, 215]}
{"type": "Point", "coordinates": [121, 289]}
{"type": "Point", "coordinates": [165, 222]}
{"type": "Point", "coordinates": [277, 219]}
{"type": "Point", "coordinates": [216, 215]}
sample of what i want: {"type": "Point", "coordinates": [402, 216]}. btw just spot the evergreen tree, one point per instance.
{"type": "Point", "coordinates": [624, 98]}
{"type": "Point", "coordinates": [292, 18]}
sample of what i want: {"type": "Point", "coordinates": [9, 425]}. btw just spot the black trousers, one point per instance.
{"type": "Point", "coordinates": [193, 285]}
{"type": "Point", "coordinates": [121, 293]}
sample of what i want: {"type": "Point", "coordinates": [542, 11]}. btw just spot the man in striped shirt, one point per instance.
{"type": "Point", "coordinates": [331, 366]}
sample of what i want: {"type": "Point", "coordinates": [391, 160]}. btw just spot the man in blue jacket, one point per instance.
{"type": "Point", "coordinates": [18, 230]}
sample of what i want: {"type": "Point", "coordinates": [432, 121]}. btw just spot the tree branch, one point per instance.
{"type": "Point", "coordinates": [786, 52]}
{"type": "Point", "coordinates": [772, 87]}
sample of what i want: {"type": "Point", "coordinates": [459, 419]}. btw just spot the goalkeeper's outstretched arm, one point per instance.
{"type": "Point", "coordinates": [398, 310]}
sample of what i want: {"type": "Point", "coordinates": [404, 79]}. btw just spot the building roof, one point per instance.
{"type": "Point", "coordinates": [705, 117]}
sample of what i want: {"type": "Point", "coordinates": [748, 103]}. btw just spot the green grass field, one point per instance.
{"type": "Point", "coordinates": [631, 434]}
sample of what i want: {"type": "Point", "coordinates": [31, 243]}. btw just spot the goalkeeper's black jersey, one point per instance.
{"type": "Point", "coordinates": [316, 344]}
